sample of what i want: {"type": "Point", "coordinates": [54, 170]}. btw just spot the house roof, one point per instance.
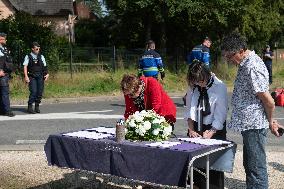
{"type": "Point", "coordinates": [44, 7]}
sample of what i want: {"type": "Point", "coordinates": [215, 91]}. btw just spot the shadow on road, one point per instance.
{"type": "Point", "coordinates": [118, 105]}
{"type": "Point", "coordinates": [234, 183]}
{"type": "Point", "coordinates": [72, 181]}
{"type": "Point", "coordinates": [277, 166]}
{"type": "Point", "coordinates": [88, 180]}
{"type": "Point", "coordinates": [24, 109]}
{"type": "Point", "coordinates": [178, 104]}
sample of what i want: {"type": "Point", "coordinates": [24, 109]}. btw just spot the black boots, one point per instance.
{"type": "Point", "coordinates": [37, 108]}
{"type": "Point", "coordinates": [30, 109]}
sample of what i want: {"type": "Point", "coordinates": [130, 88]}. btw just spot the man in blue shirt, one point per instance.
{"type": "Point", "coordinates": [150, 63]}
{"type": "Point", "coordinates": [201, 52]}
{"type": "Point", "coordinates": [267, 59]}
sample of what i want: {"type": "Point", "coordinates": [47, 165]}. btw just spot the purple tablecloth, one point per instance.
{"type": "Point", "coordinates": [134, 160]}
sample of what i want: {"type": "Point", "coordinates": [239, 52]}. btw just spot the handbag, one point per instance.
{"type": "Point", "coordinates": [280, 99]}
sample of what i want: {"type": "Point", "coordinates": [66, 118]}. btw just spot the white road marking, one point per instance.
{"type": "Point", "coordinates": [68, 115]}
{"type": "Point", "coordinates": [30, 141]}
{"type": "Point", "coordinates": [72, 115]}
{"type": "Point", "coordinates": [176, 97]}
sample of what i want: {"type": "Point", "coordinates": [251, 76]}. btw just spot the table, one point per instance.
{"type": "Point", "coordinates": [135, 160]}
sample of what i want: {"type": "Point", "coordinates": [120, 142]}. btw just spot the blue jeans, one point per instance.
{"type": "Point", "coordinates": [36, 86]}
{"type": "Point", "coordinates": [254, 158]}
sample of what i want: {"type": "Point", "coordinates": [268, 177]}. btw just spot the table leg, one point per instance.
{"type": "Point", "coordinates": [191, 177]}
{"type": "Point", "coordinates": [76, 178]}
{"type": "Point", "coordinates": [207, 172]}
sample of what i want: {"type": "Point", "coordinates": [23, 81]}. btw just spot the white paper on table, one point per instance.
{"type": "Point", "coordinates": [87, 134]}
{"type": "Point", "coordinates": [205, 141]}
{"type": "Point", "coordinates": [103, 130]}
{"type": "Point", "coordinates": [164, 144]}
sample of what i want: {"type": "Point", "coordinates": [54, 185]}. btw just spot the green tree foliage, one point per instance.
{"type": "Point", "coordinates": [94, 5]}
{"type": "Point", "coordinates": [183, 23]}
{"type": "Point", "coordinates": [92, 33]}
{"type": "Point", "coordinates": [22, 29]}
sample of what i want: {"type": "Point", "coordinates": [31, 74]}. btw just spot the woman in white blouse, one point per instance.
{"type": "Point", "coordinates": [214, 103]}
{"type": "Point", "coordinates": [206, 112]}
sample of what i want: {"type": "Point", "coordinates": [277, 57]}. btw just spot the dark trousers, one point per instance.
{"type": "Point", "coordinates": [216, 178]}
{"type": "Point", "coordinates": [36, 87]}
{"type": "Point", "coordinates": [269, 69]}
{"type": "Point", "coordinates": [5, 99]}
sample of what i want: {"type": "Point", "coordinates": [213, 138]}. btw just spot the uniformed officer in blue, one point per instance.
{"type": "Point", "coordinates": [267, 57]}
{"type": "Point", "coordinates": [150, 63]}
{"type": "Point", "coordinates": [35, 72]}
{"type": "Point", "coordinates": [6, 68]}
{"type": "Point", "coordinates": [201, 52]}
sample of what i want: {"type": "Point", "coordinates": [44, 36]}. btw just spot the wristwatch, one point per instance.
{"type": "Point", "coordinates": [213, 130]}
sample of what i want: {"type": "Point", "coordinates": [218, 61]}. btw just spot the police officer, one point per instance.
{"type": "Point", "coordinates": [35, 72]}
{"type": "Point", "coordinates": [150, 63]}
{"type": "Point", "coordinates": [267, 57]}
{"type": "Point", "coordinates": [6, 68]}
{"type": "Point", "coordinates": [201, 52]}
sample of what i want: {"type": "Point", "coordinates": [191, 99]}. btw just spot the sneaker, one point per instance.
{"type": "Point", "coordinates": [9, 114]}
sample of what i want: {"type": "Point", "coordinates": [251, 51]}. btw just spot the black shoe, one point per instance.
{"type": "Point", "coordinates": [30, 109]}
{"type": "Point", "coordinates": [9, 114]}
{"type": "Point", "coordinates": [37, 108]}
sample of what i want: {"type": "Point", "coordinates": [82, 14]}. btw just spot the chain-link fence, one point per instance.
{"type": "Point", "coordinates": [111, 59]}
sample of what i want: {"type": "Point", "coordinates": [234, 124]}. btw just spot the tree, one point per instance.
{"type": "Point", "coordinates": [22, 29]}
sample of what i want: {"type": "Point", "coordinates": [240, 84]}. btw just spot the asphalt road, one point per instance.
{"type": "Point", "coordinates": [29, 131]}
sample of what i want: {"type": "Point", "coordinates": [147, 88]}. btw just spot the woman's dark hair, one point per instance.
{"type": "Point", "coordinates": [197, 71]}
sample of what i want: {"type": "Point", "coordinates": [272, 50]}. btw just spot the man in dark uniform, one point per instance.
{"type": "Point", "coordinates": [150, 63]}
{"type": "Point", "coordinates": [201, 52]}
{"type": "Point", "coordinates": [267, 59]}
{"type": "Point", "coordinates": [6, 68]}
{"type": "Point", "coordinates": [35, 71]}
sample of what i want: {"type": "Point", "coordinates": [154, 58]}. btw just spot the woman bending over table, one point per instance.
{"type": "Point", "coordinates": [146, 93]}
{"type": "Point", "coordinates": [206, 112]}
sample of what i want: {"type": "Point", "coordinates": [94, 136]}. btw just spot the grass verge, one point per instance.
{"type": "Point", "coordinates": [99, 82]}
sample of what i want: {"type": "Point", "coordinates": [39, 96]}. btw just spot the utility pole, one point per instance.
{"type": "Point", "coordinates": [71, 37]}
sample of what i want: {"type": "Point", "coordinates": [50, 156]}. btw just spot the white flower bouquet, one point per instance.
{"type": "Point", "coordinates": [147, 126]}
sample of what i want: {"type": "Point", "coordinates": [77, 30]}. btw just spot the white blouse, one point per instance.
{"type": "Point", "coordinates": [218, 100]}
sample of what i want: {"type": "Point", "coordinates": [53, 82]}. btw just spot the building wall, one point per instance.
{"type": "Point", "coordinates": [6, 9]}
{"type": "Point", "coordinates": [59, 24]}
{"type": "Point", "coordinates": [279, 54]}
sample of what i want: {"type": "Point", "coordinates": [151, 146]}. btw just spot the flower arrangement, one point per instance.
{"type": "Point", "coordinates": [147, 126]}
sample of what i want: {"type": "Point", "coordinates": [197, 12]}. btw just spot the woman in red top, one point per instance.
{"type": "Point", "coordinates": [146, 93]}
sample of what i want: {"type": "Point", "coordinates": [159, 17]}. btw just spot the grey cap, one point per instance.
{"type": "Point", "coordinates": [2, 34]}
{"type": "Point", "coordinates": [267, 46]}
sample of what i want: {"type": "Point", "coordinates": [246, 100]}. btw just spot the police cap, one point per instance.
{"type": "Point", "coordinates": [3, 34]}
{"type": "Point", "coordinates": [207, 38]}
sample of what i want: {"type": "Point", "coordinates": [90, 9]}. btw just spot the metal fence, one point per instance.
{"type": "Point", "coordinates": [110, 58]}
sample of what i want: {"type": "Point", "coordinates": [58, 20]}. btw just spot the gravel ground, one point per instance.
{"type": "Point", "coordinates": [29, 169]}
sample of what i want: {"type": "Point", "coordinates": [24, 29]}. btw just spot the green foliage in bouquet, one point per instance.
{"type": "Point", "coordinates": [147, 126]}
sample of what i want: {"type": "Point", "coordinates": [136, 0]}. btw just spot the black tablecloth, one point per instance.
{"type": "Point", "coordinates": [128, 159]}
